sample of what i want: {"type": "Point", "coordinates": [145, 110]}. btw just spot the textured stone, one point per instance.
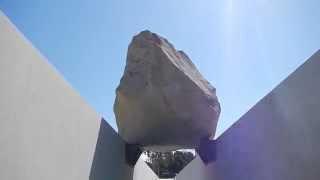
{"type": "Point", "coordinates": [162, 98]}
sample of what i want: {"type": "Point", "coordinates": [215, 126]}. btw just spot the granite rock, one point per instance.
{"type": "Point", "coordinates": [162, 99]}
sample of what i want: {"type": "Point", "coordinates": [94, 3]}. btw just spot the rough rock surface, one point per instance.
{"type": "Point", "coordinates": [162, 98]}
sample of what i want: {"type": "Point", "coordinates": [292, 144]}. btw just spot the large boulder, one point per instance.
{"type": "Point", "coordinates": [162, 99]}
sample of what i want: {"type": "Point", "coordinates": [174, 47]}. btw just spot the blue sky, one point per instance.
{"type": "Point", "coordinates": [244, 48]}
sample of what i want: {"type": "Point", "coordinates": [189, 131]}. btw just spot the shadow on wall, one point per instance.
{"type": "Point", "coordinates": [109, 160]}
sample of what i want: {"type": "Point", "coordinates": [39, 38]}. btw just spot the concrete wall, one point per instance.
{"type": "Point", "coordinates": [109, 159]}
{"type": "Point", "coordinates": [143, 172]}
{"type": "Point", "coordinates": [195, 170]}
{"type": "Point", "coordinates": [47, 132]}
{"type": "Point", "coordinates": [279, 138]}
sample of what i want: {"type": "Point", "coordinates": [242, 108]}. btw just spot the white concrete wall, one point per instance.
{"type": "Point", "coordinates": [109, 160]}
{"type": "Point", "coordinates": [143, 172]}
{"type": "Point", "coordinates": [47, 132]}
{"type": "Point", "coordinates": [279, 138]}
{"type": "Point", "coordinates": [195, 170]}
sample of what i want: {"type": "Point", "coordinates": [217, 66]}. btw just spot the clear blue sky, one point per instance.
{"type": "Point", "coordinates": [244, 48]}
